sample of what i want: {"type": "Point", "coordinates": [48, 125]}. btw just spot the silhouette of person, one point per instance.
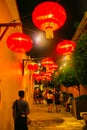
{"type": "Point", "coordinates": [57, 100]}
{"type": "Point", "coordinates": [20, 111]}
{"type": "Point", "coordinates": [50, 98]}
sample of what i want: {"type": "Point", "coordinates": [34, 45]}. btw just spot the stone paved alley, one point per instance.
{"type": "Point", "coordinates": [42, 120]}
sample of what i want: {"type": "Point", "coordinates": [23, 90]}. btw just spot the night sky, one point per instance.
{"type": "Point", "coordinates": [74, 10]}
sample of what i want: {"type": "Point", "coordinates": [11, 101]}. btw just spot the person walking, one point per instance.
{"type": "Point", "coordinates": [57, 100]}
{"type": "Point", "coordinates": [50, 98]}
{"type": "Point", "coordinates": [20, 111]}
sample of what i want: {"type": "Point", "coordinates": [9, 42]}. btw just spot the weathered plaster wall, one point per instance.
{"type": "Point", "coordinates": [71, 89]}
{"type": "Point", "coordinates": [11, 79]}
{"type": "Point", "coordinates": [83, 90]}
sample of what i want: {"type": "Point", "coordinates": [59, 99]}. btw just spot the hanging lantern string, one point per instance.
{"type": "Point", "coordinates": [58, 0]}
{"type": "Point", "coordinates": [14, 20]}
{"type": "Point", "coordinates": [27, 29]}
{"type": "Point", "coordinates": [25, 16]}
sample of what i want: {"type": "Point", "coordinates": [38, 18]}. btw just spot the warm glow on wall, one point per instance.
{"type": "Point", "coordinates": [0, 97]}
{"type": "Point", "coordinates": [49, 16]}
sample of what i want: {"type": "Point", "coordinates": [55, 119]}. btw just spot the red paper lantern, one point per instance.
{"type": "Point", "coordinates": [53, 67]}
{"type": "Point", "coordinates": [48, 74]}
{"type": "Point", "coordinates": [38, 78]}
{"type": "Point", "coordinates": [19, 42]}
{"type": "Point", "coordinates": [49, 16]}
{"type": "Point", "coordinates": [48, 78]}
{"type": "Point", "coordinates": [66, 47]}
{"type": "Point", "coordinates": [49, 71]}
{"type": "Point", "coordinates": [35, 75]}
{"type": "Point", "coordinates": [46, 62]}
{"type": "Point", "coordinates": [32, 66]}
{"type": "Point", "coordinates": [45, 77]}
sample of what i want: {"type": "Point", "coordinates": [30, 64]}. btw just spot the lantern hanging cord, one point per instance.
{"type": "Point", "coordinates": [21, 18]}
{"type": "Point", "coordinates": [27, 29]}
{"type": "Point", "coordinates": [58, 0]}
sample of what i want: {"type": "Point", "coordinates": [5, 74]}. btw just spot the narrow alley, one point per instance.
{"type": "Point", "coordinates": [42, 120]}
